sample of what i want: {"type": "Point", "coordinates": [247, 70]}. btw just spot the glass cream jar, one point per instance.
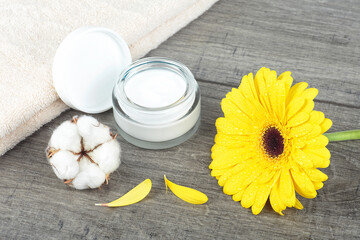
{"type": "Point", "coordinates": [156, 103]}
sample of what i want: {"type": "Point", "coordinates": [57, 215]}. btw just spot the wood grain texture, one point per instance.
{"type": "Point", "coordinates": [319, 41]}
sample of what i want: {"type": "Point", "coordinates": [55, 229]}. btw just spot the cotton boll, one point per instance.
{"type": "Point", "coordinates": [90, 176]}
{"type": "Point", "coordinates": [107, 156]}
{"type": "Point", "coordinates": [66, 137]}
{"type": "Point", "coordinates": [83, 153]}
{"type": "Point", "coordinates": [64, 164]}
{"type": "Point", "coordinates": [93, 132]}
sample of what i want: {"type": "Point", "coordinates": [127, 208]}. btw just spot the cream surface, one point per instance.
{"type": "Point", "coordinates": [155, 88]}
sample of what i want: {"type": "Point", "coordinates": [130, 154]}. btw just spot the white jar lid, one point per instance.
{"type": "Point", "coordinates": [87, 65]}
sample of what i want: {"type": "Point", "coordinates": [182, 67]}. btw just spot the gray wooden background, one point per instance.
{"type": "Point", "coordinates": [319, 41]}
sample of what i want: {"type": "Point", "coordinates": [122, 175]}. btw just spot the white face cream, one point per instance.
{"type": "Point", "coordinates": [156, 103]}
{"type": "Point", "coordinates": [155, 88]}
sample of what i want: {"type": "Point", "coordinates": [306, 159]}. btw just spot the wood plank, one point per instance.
{"type": "Point", "coordinates": [230, 40]}
{"type": "Point", "coordinates": [318, 41]}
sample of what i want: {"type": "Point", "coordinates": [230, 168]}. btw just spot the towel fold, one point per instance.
{"type": "Point", "coordinates": [31, 31]}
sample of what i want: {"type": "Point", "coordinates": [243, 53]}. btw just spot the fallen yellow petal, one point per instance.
{"type": "Point", "coordinates": [187, 194]}
{"type": "Point", "coordinates": [135, 195]}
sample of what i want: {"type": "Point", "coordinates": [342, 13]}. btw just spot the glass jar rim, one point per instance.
{"type": "Point", "coordinates": [119, 89]}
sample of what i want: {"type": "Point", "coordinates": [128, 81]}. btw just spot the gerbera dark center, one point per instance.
{"type": "Point", "coordinates": [273, 142]}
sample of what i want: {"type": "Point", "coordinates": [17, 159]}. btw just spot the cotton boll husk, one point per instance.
{"type": "Point", "coordinates": [64, 164]}
{"type": "Point", "coordinates": [90, 176]}
{"type": "Point", "coordinates": [66, 137]}
{"type": "Point", "coordinates": [107, 156]}
{"type": "Point", "coordinates": [93, 132]}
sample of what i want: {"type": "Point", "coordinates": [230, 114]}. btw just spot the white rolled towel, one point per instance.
{"type": "Point", "coordinates": [31, 31]}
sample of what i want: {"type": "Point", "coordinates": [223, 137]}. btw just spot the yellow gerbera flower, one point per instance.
{"type": "Point", "coordinates": [270, 142]}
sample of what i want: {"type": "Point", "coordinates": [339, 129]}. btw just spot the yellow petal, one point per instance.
{"type": "Point", "coordinates": [265, 176]}
{"type": "Point", "coordinates": [275, 89]}
{"type": "Point", "coordinates": [227, 126]}
{"type": "Point", "coordinates": [187, 194]}
{"type": "Point", "coordinates": [238, 196]}
{"type": "Point", "coordinates": [275, 200]}
{"type": "Point", "coordinates": [218, 147]}
{"type": "Point", "coordinates": [303, 184]}
{"type": "Point", "coordinates": [298, 204]}
{"type": "Point", "coordinates": [247, 86]}
{"type": "Point", "coordinates": [318, 185]}
{"type": "Point", "coordinates": [316, 175]}
{"type": "Point", "coordinates": [261, 197]}
{"type": "Point", "coordinates": [261, 88]}
{"type": "Point", "coordinates": [308, 106]}
{"type": "Point", "coordinates": [301, 130]}
{"type": "Point", "coordinates": [270, 78]}
{"type": "Point", "coordinates": [250, 107]}
{"type": "Point", "coordinates": [322, 152]}
{"type": "Point", "coordinates": [296, 91]}
{"type": "Point", "coordinates": [310, 93]}
{"type": "Point", "coordinates": [233, 170]}
{"type": "Point", "coordinates": [241, 180]}
{"type": "Point", "coordinates": [231, 110]}
{"type": "Point", "coordinates": [259, 81]}
{"type": "Point", "coordinates": [318, 161]}
{"type": "Point", "coordinates": [319, 156]}
{"type": "Point", "coordinates": [277, 99]}
{"type": "Point", "coordinates": [249, 196]}
{"type": "Point", "coordinates": [302, 158]}
{"type": "Point", "coordinates": [219, 172]}
{"type": "Point", "coordinates": [315, 131]}
{"type": "Point", "coordinates": [317, 142]}
{"type": "Point", "coordinates": [286, 188]}
{"type": "Point", "coordinates": [288, 80]}
{"type": "Point", "coordinates": [298, 119]}
{"type": "Point", "coordinates": [135, 195]}
{"type": "Point", "coordinates": [298, 142]}
{"type": "Point", "coordinates": [233, 141]}
{"type": "Point", "coordinates": [325, 125]}
{"type": "Point", "coordinates": [316, 117]}
{"type": "Point", "coordinates": [294, 107]}
{"type": "Point", "coordinates": [229, 158]}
